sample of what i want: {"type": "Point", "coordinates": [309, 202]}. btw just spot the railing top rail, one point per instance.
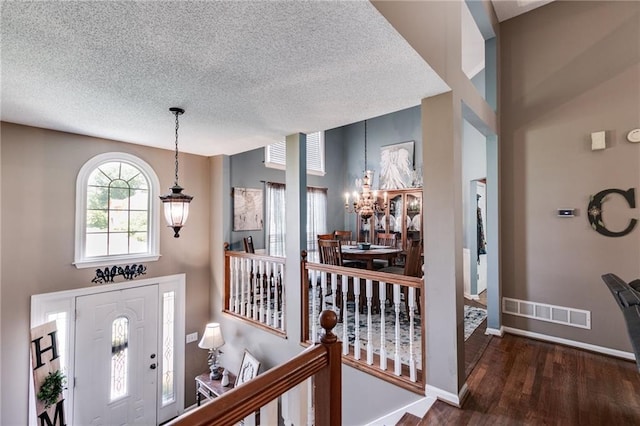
{"type": "Point", "coordinates": [366, 274]}
{"type": "Point", "coordinates": [242, 254]}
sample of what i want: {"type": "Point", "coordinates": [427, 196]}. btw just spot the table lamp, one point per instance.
{"type": "Point", "coordinates": [212, 340]}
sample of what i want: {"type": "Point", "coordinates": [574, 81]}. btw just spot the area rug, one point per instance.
{"type": "Point", "coordinates": [473, 317]}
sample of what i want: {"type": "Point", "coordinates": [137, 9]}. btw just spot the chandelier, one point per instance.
{"type": "Point", "coordinates": [176, 204]}
{"type": "Point", "coordinates": [365, 202]}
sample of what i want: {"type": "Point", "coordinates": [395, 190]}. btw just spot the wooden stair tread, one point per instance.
{"type": "Point", "coordinates": [408, 419]}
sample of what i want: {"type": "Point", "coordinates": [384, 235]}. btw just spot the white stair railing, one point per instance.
{"type": "Point", "coordinates": [379, 317]}
{"type": "Point", "coordinates": [255, 290]}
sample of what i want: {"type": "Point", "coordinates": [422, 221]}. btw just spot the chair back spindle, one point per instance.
{"type": "Point", "coordinates": [248, 244]}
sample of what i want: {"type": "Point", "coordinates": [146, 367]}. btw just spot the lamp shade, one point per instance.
{"type": "Point", "coordinates": [212, 337]}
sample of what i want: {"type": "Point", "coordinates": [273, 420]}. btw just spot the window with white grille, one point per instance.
{"type": "Point", "coordinates": [117, 211]}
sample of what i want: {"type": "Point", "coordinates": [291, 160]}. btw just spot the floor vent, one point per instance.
{"type": "Point", "coordinates": [543, 312]}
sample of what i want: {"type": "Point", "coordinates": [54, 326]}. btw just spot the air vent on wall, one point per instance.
{"type": "Point", "coordinates": [544, 312]}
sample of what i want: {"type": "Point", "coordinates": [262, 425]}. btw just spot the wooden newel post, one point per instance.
{"type": "Point", "coordinates": [328, 382]}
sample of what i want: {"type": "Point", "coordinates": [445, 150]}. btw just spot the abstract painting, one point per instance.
{"type": "Point", "coordinates": [247, 209]}
{"type": "Point", "coordinates": [396, 165]}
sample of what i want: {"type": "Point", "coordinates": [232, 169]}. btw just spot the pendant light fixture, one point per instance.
{"type": "Point", "coordinates": [365, 201]}
{"type": "Point", "coordinates": [176, 204]}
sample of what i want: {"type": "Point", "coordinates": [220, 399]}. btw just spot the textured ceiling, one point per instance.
{"type": "Point", "coordinates": [248, 73]}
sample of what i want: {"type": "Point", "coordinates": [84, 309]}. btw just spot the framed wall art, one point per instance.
{"type": "Point", "coordinates": [248, 368]}
{"type": "Point", "coordinates": [396, 165]}
{"type": "Point", "coordinates": [247, 209]}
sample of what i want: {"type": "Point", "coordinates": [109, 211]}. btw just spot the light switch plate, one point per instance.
{"type": "Point", "coordinates": [193, 337]}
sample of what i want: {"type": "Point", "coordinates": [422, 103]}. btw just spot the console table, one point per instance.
{"type": "Point", "coordinates": [207, 389]}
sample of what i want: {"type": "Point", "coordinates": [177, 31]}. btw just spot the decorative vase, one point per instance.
{"type": "Point", "coordinates": [225, 378]}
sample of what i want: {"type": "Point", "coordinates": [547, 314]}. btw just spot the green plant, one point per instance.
{"type": "Point", "coordinates": [51, 388]}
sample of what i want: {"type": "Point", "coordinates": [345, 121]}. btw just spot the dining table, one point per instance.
{"type": "Point", "coordinates": [354, 252]}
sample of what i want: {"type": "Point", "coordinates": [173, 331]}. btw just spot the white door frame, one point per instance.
{"type": "Point", "coordinates": [64, 302]}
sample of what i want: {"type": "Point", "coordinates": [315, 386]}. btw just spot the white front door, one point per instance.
{"type": "Point", "coordinates": [115, 357]}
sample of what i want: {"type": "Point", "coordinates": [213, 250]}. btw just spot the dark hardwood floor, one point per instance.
{"type": "Point", "coordinates": [519, 381]}
{"type": "Point", "coordinates": [475, 345]}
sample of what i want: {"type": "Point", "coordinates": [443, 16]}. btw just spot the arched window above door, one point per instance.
{"type": "Point", "coordinates": [117, 216]}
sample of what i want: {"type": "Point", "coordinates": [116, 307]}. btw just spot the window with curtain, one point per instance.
{"type": "Point", "coordinates": [316, 216]}
{"type": "Point", "coordinates": [276, 219]}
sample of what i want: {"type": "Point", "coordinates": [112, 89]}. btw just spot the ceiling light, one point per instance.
{"type": "Point", "coordinates": [176, 204]}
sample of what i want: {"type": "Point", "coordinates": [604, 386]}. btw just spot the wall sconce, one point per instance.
{"type": "Point", "coordinates": [176, 204]}
{"type": "Point", "coordinates": [212, 340]}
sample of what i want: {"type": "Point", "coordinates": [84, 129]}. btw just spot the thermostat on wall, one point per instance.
{"type": "Point", "coordinates": [566, 212]}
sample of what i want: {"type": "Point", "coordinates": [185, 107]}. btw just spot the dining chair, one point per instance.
{"type": "Point", "coordinates": [384, 239]}
{"type": "Point", "coordinates": [331, 254]}
{"type": "Point", "coordinates": [325, 237]}
{"type": "Point", "coordinates": [412, 268]}
{"type": "Point", "coordinates": [248, 244]}
{"type": "Point", "coordinates": [343, 236]}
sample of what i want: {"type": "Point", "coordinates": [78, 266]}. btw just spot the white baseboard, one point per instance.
{"type": "Point", "coordinates": [448, 397]}
{"type": "Point", "coordinates": [580, 345]}
{"type": "Point", "coordinates": [495, 331]}
{"type": "Point", "coordinates": [418, 408]}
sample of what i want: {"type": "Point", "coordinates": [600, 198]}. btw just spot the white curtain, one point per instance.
{"type": "Point", "coordinates": [276, 219]}
{"type": "Point", "coordinates": [316, 216]}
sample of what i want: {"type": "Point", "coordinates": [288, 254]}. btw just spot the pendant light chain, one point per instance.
{"type": "Point", "coordinates": [365, 145]}
{"type": "Point", "coordinates": [177, 127]}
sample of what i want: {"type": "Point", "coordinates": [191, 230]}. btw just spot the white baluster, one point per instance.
{"type": "Point", "coordinates": [382, 290]}
{"type": "Point", "coordinates": [269, 280]}
{"type": "Point", "coordinates": [314, 313]}
{"type": "Point", "coordinates": [412, 356]}
{"type": "Point", "coordinates": [243, 278]}
{"type": "Point", "coordinates": [254, 284]}
{"type": "Point", "coordinates": [262, 281]}
{"type": "Point", "coordinates": [323, 290]}
{"type": "Point", "coordinates": [233, 297]}
{"type": "Point", "coordinates": [345, 315]}
{"type": "Point", "coordinates": [334, 292]}
{"type": "Point", "coordinates": [310, 407]}
{"type": "Point", "coordinates": [356, 295]}
{"type": "Point", "coordinates": [369, 324]}
{"type": "Point", "coordinates": [396, 302]}
{"type": "Point", "coordinates": [269, 413]}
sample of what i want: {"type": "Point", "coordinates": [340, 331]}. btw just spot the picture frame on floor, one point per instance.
{"type": "Point", "coordinates": [248, 368]}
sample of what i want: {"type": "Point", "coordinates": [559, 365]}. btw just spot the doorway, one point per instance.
{"type": "Point", "coordinates": [120, 350]}
{"type": "Point", "coordinates": [115, 357]}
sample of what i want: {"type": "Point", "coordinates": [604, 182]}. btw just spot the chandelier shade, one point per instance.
{"type": "Point", "coordinates": [176, 204]}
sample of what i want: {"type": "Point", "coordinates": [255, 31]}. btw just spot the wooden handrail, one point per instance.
{"type": "Point", "coordinates": [366, 274]}
{"type": "Point", "coordinates": [322, 360]}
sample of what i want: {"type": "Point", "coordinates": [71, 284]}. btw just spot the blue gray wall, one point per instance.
{"type": "Point", "coordinates": [344, 162]}
{"type": "Point", "coordinates": [248, 171]}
